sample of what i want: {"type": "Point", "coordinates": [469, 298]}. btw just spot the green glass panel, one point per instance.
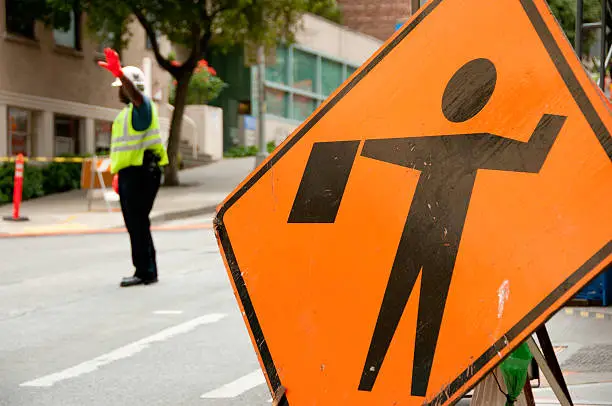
{"type": "Point", "coordinates": [304, 71]}
{"type": "Point", "coordinates": [349, 71]}
{"type": "Point", "coordinates": [277, 102]}
{"type": "Point", "coordinates": [302, 107]}
{"type": "Point", "coordinates": [331, 76]}
{"type": "Point", "coordinates": [278, 72]}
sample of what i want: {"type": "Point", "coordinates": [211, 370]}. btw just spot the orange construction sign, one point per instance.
{"type": "Point", "coordinates": [446, 201]}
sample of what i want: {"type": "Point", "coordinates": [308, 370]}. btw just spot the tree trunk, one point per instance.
{"type": "Point", "coordinates": [171, 177]}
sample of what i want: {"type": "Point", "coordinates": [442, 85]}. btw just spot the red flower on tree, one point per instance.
{"type": "Point", "coordinates": [204, 85]}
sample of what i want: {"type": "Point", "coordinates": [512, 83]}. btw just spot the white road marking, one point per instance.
{"type": "Point", "coordinates": [238, 387]}
{"type": "Point", "coordinates": [168, 312]}
{"type": "Point", "coordinates": [123, 352]}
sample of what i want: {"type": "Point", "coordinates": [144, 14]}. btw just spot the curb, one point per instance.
{"type": "Point", "coordinates": [177, 215]}
{"type": "Point", "coordinates": [156, 222]}
{"type": "Point", "coordinates": [587, 314]}
{"type": "Point", "coordinates": [119, 230]}
{"type": "Point", "coordinates": [183, 214]}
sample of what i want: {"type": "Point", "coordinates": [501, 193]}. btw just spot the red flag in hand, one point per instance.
{"type": "Point", "coordinates": [116, 183]}
{"type": "Point", "coordinates": [112, 63]}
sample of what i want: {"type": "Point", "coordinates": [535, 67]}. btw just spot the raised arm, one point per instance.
{"type": "Point", "coordinates": [113, 65]}
{"type": "Point", "coordinates": [516, 156]}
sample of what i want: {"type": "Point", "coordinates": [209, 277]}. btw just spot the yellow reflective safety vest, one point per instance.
{"type": "Point", "coordinates": [128, 145]}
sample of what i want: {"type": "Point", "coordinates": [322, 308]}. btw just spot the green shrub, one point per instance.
{"type": "Point", "coordinates": [7, 173]}
{"type": "Point", "coordinates": [32, 182]}
{"type": "Point", "coordinates": [240, 151]}
{"type": "Point", "coordinates": [40, 180]}
{"type": "Point", "coordinates": [61, 177]}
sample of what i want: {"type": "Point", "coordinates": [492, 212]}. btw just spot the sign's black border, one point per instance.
{"type": "Point", "coordinates": [587, 109]}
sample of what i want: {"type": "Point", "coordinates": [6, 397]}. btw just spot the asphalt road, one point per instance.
{"type": "Point", "coordinates": [70, 336]}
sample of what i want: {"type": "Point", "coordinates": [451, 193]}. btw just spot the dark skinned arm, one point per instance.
{"type": "Point", "coordinates": [131, 91]}
{"type": "Point", "coordinates": [113, 65]}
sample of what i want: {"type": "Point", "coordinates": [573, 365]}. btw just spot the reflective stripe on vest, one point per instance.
{"type": "Point", "coordinates": [135, 142]}
{"type": "Point", "coordinates": [129, 145]}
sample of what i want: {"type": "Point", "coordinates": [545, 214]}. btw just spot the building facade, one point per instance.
{"type": "Point", "coordinates": [298, 78]}
{"type": "Point", "coordinates": [375, 18]}
{"type": "Point", "coordinates": [54, 98]}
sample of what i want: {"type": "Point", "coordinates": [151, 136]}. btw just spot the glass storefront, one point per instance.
{"type": "Point", "coordinates": [304, 71]}
{"type": "Point", "coordinates": [303, 106]}
{"type": "Point", "coordinates": [19, 131]}
{"type": "Point", "coordinates": [67, 140]}
{"type": "Point", "coordinates": [276, 102]}
{"type": "Point", "coordinates": [103, 131]}
{"type": "Point", "coordinates": [332, 76]}
{"type": "Point", "coordinates": [300, 80]}
{"type": "Point", "coordinates": [277, 73]}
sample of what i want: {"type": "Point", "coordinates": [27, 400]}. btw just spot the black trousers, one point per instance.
{"type": "Point", "coordinates": [138, 187]}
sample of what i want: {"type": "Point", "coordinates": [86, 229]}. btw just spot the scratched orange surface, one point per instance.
{"type": "Point", "coordinates": [317, 288]}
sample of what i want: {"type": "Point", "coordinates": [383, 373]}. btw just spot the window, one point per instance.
{"type": "Point", "coordinates": [19, 123]}
{"type": "Point", "coordinates": [66, 135]}
{"type": "Point", "coordinates": [103, 131]}
{"type": "Point", "coordinates": [331, 76]}
{"type": "Point", "coordinates": [304, 71]}
{"type": "Point", "coordinates": [299, 81]}
{"type": "Point", "coordinates": [277, 73]}
{"type": "Point", "coordinates": [70, 38]}
{"type": "Point", "coordinates": [302, 107]}
{"type": "Point", "coordinates": [276, 102]}
{"type": "Point", "coordinates": [349, 71]}
{"type": "Point", "coordinates": [18, 20]}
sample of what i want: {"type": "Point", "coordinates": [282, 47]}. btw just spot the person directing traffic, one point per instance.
{"type": "Point", "coordinates": [137, 153]}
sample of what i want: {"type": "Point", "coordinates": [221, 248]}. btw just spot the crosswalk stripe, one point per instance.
{"type": "Point", "coordinates": [123, 352]}
{"type": "Point", "coordinates": [237, 387]}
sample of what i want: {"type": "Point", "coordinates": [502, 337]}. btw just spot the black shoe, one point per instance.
{"type": "Point", "coordinates": [134, 281]}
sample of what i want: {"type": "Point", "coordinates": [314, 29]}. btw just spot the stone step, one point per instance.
{"type": "Point", "coordinates": [188, 153]}
{"type": "Point", "coordinates": [190, 162]}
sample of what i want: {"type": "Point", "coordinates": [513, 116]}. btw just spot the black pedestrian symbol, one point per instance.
{"type": "Point", "coordinates": [430, 240]}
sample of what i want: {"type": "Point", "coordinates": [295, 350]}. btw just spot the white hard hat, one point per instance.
{"type": "Point", "coordinates": [134, 74]}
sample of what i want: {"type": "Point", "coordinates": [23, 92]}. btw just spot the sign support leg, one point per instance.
{"type": "Point", "coordinates": [551, 358]}
{"type": "Point", "coordinates": [528, 392]}
{"type": "Point", "coordinates": [541, 359]}
{"type": "Point", "coordinates": [280, 397]}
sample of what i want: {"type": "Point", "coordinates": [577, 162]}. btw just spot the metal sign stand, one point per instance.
{"type": "Point", "coordinates": [486, 393]}
{"type": "Point", "coordinates": [547, 361]}
{"type": "Point", "coordinates": [605, 54]}
{"type": "Point", "coordinates": [280, 397]}
{"type": "Point", "coordinates": [104, 188]}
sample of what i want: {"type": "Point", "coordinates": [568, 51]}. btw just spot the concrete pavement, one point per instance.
{"type": "Point", "coordinates": [202, 190]}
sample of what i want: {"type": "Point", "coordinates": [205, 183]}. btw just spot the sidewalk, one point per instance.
{"type": "Point", "coordinates": [201, 190]}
